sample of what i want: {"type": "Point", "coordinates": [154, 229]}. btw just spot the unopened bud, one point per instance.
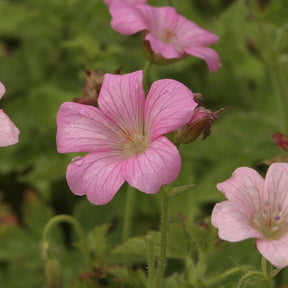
{"type": "Point", "coordinates": [200, 122]}
{"type": "Point", "coordinates": [281, 140]}
{"type": "Point", "coordinates": [92, 87]}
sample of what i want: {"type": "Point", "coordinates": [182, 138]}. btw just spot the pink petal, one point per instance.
{"type": "Point", "coordinates": [275, 187]}
{"type": "Point", "coordinates": [132, 2]}
{"type": "Point", "coordinates": [209, 55]}
{"type": "Point", "coordinates": [159, 165]}
{"type": "Point", "coordinates": [233, 222]}
{"type": "Point", "coordinates": [189, 34]}
{"type": "Point", "coordinates": [8, 130]}
{"type": "Point", "coordinates": [244, 189]}
{"type": "Point", "coordinates": [167, 50]}
{"type": "Point", "coordinates": [84, 128]}
{"type": "Point", "coordinates": [2, 90]}
{"type": "Point", "coordinates": [122, 99]}
{"type": "Point", "coordinates": [98, 175]}
{"type": "Point", "coordinates": [275, 251]}
{"type": "Point", "coordinates": [127, 19]}
{"type": "Point", "coordinates": [169, 106]}
{"type": "Point", "coordinates": [159, 19]}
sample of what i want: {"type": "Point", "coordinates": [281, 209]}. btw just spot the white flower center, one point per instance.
{"type": "Point", "coordinates": [271, 222]}
{"type": "Point", "coordinates": [133, 142]}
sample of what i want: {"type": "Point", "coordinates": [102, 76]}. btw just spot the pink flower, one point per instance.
{"type": "Point", "coordinates": [256, 208]}
{"type": "Point", "coordinates": [8, 131]}
{"type": "Point", "coordinates": [124, 136]}
{"type": "Point", "coordinates": [168, 33]}
{"type": "Point", "coordinates": [133, 2]}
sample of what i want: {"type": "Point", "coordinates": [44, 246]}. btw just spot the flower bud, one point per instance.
{"type": "Point", "coordinates": [92, 87]}
{"type": "Point", "coordinates": [201, 121]}
{"type": "Point", "coordinates": [281, 140]}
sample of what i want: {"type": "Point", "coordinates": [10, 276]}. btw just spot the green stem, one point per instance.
{"type": "Point", "coordinates": [129, 207]}
{"type": "Point", "coordinates": [151, 261]}
{"type": "Point", "coordinates": [163, 237]}
{"type": "Point", "coordinates": [73, 222]}
{"type": "Point", "coordinates": [267, 271]}
{"type": "Point", "coordinates": [222, 276]}
{"type": "Point", "coordinates": [146, 76]}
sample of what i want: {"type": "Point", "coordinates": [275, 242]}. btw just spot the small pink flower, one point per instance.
{"type": "Point", "coordinates": [256, 208]}
{"type": "Point", "coordinates": [124, 136]}
{"type": "Point", "coordinates": [8, 131]}
{"type": "Point", "coordinates": [168, 33]}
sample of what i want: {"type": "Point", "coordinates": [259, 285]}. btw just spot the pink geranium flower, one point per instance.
{"type": "Point", "coordinates": [256, 208]}
{"type": "Point", "coordinates": [124, 136]}
{"type": "Point", "coordinates": [133, 2]}
{"type": "Point", "coordinates": [168, 33]}
{"type": "Point", "coordinates": [8, 131]}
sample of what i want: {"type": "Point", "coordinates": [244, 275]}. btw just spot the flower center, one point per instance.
{"type": "Point", "coordinates": [133, 142]}
{"type": "Point", "coordinates": [271, 222]}
{"type": "Point", "coordinates": [167, 36]}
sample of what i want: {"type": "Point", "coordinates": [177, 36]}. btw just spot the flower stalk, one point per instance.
{"type": "Point", "coordinates": [163, 236]}
{"type": "Point", "coordinates": [74, 223]}
{"type": "Point", "coordinates": [128, 215]}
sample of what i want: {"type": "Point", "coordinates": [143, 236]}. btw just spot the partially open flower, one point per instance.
{"type": "Point", "coordinates": [256, 208]}
{"type": "Point", "coordinates": [168, 36]}
{"type": "Point", "coordinates": [8, 130]}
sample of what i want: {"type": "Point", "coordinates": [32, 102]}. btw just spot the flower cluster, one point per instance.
{"type": "Point", "coordinates": [8, 130]}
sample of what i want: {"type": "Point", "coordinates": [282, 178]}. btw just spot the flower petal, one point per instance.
{"type": "Point", "coordinates": [98, 175]}
{"type": "Point", "coordinates": [84, 128]}
{"type": "Point", "coordinates": [167, 50]}
{"type": "Point", "coordinates": [159, 165]}
{"type": "Point", "coordinates": [207, 54]}
{"type": "Point", "coordinates": [233, 222]}
{"type": "Point", "coordinates": [8, 130]}
{"type": "Point", "coordinates": [275, 187]}
{"type": "Point", "coordinates": [275, 251]}
{"type": "Point", "coordinates": [244, 189]}
{"type": "Point", "coordinates": [132, 2]}
{"type": "Point", "coordinates": [127, 19]}
{"type": "Point", "coordinates": [2, 90]}
{"type": "Point", "coordinates": [190, 34]}
{"type": "Point", "coordinates": [122, 99]}
{"type": "Point", "coordinates": [169, 106]}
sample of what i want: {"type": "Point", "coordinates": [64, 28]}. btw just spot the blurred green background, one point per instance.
{"type": "Point", "coordinates": [45, 47]}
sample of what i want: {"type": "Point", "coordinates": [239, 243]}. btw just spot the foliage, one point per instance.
{"type": "Point", "coordinates": [45, 47]}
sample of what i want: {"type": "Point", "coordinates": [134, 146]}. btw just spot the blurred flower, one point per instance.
{"type": "Point", "coordinates": [135, 2]}
{"type": "Point", "coordinates": [168, 35]}
{"type": "Point", "coordinates": [8, 131]}
{"type": "Point", "coordinates": [281, 140]}
{"type": "Point", "coordinates": [124, 136]}
{"type": "Point", "coordinates": [256, 208]}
